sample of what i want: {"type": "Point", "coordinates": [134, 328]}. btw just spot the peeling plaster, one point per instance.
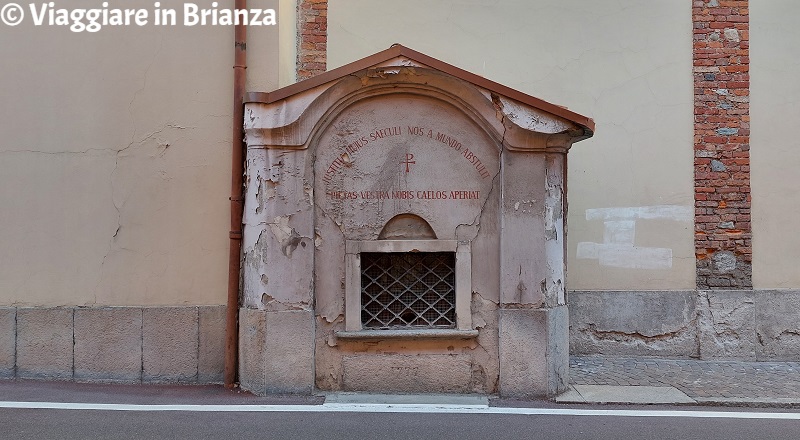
{"type": "Point", "coordinates": [618, 248]}
{"type": "Point", "coordinates": [271, 304]}
{"type": "Point", "coordinates": [637, 338]}
{"type": "Point", "coordinates": [286, 235]}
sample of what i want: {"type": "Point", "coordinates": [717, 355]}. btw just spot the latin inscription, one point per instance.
{"type": "Point", "coordinates": [404, 195]}
{"type": "Point", "coordinates": [350, 151]}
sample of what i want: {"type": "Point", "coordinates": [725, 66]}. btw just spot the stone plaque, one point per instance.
{"type": "Point", "coordinates": [405, 154]}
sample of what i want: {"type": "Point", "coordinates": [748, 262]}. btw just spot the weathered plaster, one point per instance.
{"type": "Point", "coordinates": [727, 324]}
{"type": "Point", "coordinates": [523, 278]}
{"type": "Point", "coordinates": [278, 239]}
{"type": "Point", "coordinates": [634, 323]}
{"type": "Point", "coordinates": [619, 248]}
{"type": "Point", "coordinates": [115, 162]}
{"type": "Point", "coordinates": [777, 327]}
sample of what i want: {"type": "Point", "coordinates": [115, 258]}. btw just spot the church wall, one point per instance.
{"type": "Point", "coordinates": [775, 150]}
{"type": "Point", "coordinates": [116, 161]}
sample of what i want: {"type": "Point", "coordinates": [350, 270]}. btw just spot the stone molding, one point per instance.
{"type": "Point", "coordinates": [295, 123]}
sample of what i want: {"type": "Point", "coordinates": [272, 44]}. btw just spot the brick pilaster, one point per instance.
{"type": "Point", "coordinates": [723, 236]}
{"type": "Point", "coordinates": [312, 41]}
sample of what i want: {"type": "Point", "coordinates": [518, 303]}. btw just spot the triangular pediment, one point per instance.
{"type": "Point", "coordinates": [287, 116]}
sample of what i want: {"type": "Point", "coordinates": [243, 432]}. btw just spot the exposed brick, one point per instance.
{"type": "Point", "coordinates": [722, 133]}
{"type": "Point", "coordinates": [312, 38]}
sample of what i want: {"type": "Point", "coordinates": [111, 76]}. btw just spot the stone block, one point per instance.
{"type": "Point", "coordinates": [44, 343]}
{"type": "Point", "coordinates": [252, 342]}
{"type": "Point", "coordinates": [108, 344]}
{"type": "Point", "coordinates": [423, 373]}
{"type": "Point", "coordinates": [726, 324]}
{"type": "Point", "coordinates": [289, 352]}
{"type": "Point", "coordinates": [523, 261]}
{"type": "Point", "coordinates": [530, 357]}
{"type": "Point", "coordinates": [169, 344]}
{"type": "Point", "coordinates": [777, 325]}
{"type": "Point", "coordinates": [634, 323]}
{"type": "Point", "coordinates": [211, 344]}
{"type": "Point", "coordinates": [557, 350]}
{"type": "Point", "coordinates": [8, 334]}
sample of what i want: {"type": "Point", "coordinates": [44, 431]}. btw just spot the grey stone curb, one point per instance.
{"type": "Point", "coordinates": [664, 395]}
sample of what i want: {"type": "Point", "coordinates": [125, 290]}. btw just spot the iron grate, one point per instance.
{"type": "Point", "coordinates": [402, 290]}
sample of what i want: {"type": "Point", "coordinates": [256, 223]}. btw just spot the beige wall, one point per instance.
{"type": "Point", "coordinates": [625, 63]}
{"type": "Point", "coordinates": [115, 146]}
{"type": "Point", "coordinates": [775, 147]}
{"type": "Point", "coordinates": [115, 161]}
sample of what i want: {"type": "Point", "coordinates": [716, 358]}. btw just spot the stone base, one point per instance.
{"type": "Point", "coordinates": [408, 373]}
{"type": "Point", "coordinates": [276, 351]}
{"type": "Point", "coordinates": [113, 344]}
{"type": "Point", "coordinates": [748, 325]}
{"type": "Point", "coordinates": [534, 352]}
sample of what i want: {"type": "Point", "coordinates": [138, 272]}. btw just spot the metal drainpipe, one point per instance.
{"type": "Point", "coordinates": [237, 201]}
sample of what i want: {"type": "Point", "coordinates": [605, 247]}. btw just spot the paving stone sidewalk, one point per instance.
{"type": "Point", "coordinates": [704, 381]}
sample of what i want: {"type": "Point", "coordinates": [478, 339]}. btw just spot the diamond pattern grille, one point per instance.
{"type": "Point", "coordinates": [402, 290]}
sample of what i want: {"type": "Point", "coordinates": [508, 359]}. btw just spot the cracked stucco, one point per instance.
{"type": "Point", "coordinates": [116, 170]}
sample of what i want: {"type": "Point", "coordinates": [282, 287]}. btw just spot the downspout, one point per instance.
{"type": "Point", "coordinates": [237, 200]}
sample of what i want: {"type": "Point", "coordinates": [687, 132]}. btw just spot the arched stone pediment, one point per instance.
{"type": "Point", "coordinates": [291, 117]}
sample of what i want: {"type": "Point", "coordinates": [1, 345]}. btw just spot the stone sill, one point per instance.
{"type": "Point", "coordinates": [408, 334]}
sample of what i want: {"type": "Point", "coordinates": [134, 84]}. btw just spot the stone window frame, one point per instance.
{"type": "Point", "coordinates": [463, 288]}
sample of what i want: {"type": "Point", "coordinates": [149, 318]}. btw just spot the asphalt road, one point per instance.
{"type": "Point", "coordinates": [92, 424]}
{"type": "Point", "coordinates": [205, 414]}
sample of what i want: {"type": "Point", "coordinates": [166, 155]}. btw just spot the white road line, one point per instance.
{"type": "Point", "coordinates": [403, 408]}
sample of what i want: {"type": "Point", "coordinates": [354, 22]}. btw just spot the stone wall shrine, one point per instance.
{"type": "Point", "coordinates": [404, 231]}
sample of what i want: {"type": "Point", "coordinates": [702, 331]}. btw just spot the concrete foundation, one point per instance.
{"type": "Point", "coordinates": [748, 325]}
{"type": "Point", "coordinates": [777, 326]}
